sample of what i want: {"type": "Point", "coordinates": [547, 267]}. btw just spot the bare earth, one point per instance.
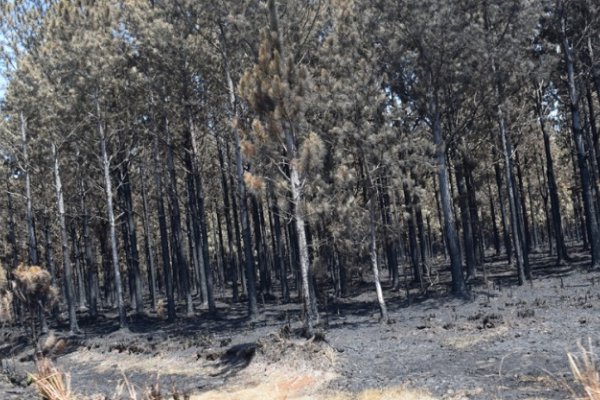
{"type": "Point", "coordinates": [509, 342]}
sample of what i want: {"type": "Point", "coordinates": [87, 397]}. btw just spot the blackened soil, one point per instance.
{"type": "Point", "coordinates": [507, 342]}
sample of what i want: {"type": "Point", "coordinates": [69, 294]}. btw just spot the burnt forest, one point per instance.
{"type": "Point", "coordinates": [301, 199]}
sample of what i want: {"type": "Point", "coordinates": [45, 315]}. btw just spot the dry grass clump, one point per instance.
{"type": "Point", "coordinates": [394, 393]}
{"type": "Point", "coordinates": [51, 383]}
{"type": "Point", "coordinates": [33, 284]}
{"type": "Point", "coordinates": [585, 372]}
{"type": "Point", "coordinates": [6, 298]}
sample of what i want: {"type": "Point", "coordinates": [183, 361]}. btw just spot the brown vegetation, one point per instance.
{"type": "Point", "coordinates": [585, 371]}
{"type": "Point", "coordinates": [6, 298]}
{"type": "Point", "coordinates": [33, 285]}
{"type": "Point", "coordinates": [51, 383]}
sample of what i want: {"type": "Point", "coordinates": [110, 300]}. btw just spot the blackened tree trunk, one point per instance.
{"type": "Point", "coordinates": [412, 235]}
{"type": "Point", "coordinates": [201, 220]}
{"type": "Point", "coordinates": [390, 246]}
{"type": "Point", "coordinates": [503, 217]}
{"type": "Point", "coordinates": [465, 214]}
{"type": "Point", "coordinates": [495, 230]}
{"type": "Point", "coordinates": [241, 188]}
{"type": "Point", "coordinates": [195, 237]}
{"type": "Point", "coordinates": [468, 167]}
{"type": "Point", "coordinates": [176, 237]}
{"type": "Point", "coordinates": [78, 269]}
{"type": "Point", "coordinates": [12, 233]}
{"type": "Point", "coordinates": [280, 265]}
{"type": "Point", "coordinates": [164, 236]}
{"type": "Point", "coordinates": [438, 208]}
{"type": "Point", "coordinates": [588, 201]}
{"type": "Point", "coordinates": [508, 170]}
{"type": "Point", "coordinates": [452, 241]}
{"type": "Point", "coordinates": [148, 240]}
{"type": "Point", "coordinates": [523, 208]}
{"type": "Point", "coordinates": [133, 259]}
{"type": "Point", "coordinates": [31, 234]}
{"type": "Point", "coordinates": [258, 247]}
{"type": "Point", "coordinates": [513, 211]}
{"type": "Point", "coordinates": [561, 248]}
{"type": "Point", "coordinates": [49, 250]}
{"type": "Point", "coordinates": [230, 259]}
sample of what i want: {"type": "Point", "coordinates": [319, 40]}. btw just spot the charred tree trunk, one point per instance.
{"type": "Point", "coordinates": [561, 248]}
{"type": "Point", "coordinates": [31, 234]}
{"type": "Point", "coordinates": [452, 241]}
{"type": "Point", "coordinates": [164, 236]}
{"type": "Point", "coordinates": [241, 188]}
{"type": "Point", "coordinates": [586, 184]}
{"type": "Point", "coordinates": [465, 214]}
{"type": "Point", "coordinates": [133, 259]}
{"type": "Point", "coordinates": [148, 240]}
{"type": "Point", "coordinates": [176, 237]}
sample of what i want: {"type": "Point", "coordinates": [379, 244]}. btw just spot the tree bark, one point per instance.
{"type": "Point", "coordinates": [66, 256]}
{"type": "Point", "coordinates": [164, 236]}
{"type": "Point", "coordinates": [31, 234]}
{"type": "Point", "coordinates": [588, 201]}
{"type": "Point", "coordinates": [148, 240]}
{"type": "Point", "coordinates": [561, 248]}
{"type": "Point", "coordinates": [176, 237]}
{"type": "Point", "coordinates": [118, 284]}
{"type": "Point", "coordinates": [243, 207]}
{"type": "Point", "coordinates": [452, 241]}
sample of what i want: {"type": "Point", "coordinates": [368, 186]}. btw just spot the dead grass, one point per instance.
{"type": "Point", "coordinates": [33, 284]}
{"type": "Point", "coordinates": [584, 369]}
{"type": "Point", "coordinates": [308, 388]}
{"type": "Point", "coordinates": [51, 383]}
{"type": "Point", "coordinates": [6, 298]}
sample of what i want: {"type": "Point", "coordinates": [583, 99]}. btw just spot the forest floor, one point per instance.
{"type": "Point", "coordinates": [509, 342]}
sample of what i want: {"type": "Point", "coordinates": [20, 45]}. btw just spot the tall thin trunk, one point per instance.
{"type": "Point", "coordinates": [118, 284]}
{"type": "Point", "coordinates": [561, 248]}
{"type": "Point", "coordinates": [465, 214]}
{"type": "Point", "coordinates": [510, 184]}
{"type": "Point", "coordinates": [452, 241]}
{"type": "Point", "coordinates": [495, 230]}
{"type": "Point", "coordinates": [78, 269]}
{"type": "Point", "coordinates": [88, 256]}
{"type": "Point", "coordinates": [49, 254]}
{"type": "Point", "coordinates": [131, 236]}
{"type": "Point", "coordinates": [176, 237]}
{"type": "Point", "coordinates": [66, 256]}
{"type": "Point", "coordinates": [390, 247]}
{"type": "Point", "coordinates": [503, 216]}
{"type": "Point", "coordinates": [12, 232]}
{"type": "Point", "coordinates": [164, 235]}
{"type": "Point", "coordinates": [514, 218]}
{"type": "Point", "coordinates": [412, 234]}
{"type": "Point", "coordinates": [438, 208]}
{"type": "Point", "coordinates": [588, 201]}
{"type": "Point", "coordinates": [311, 315]}
{"type": "Point", "coordinates": [229, 257]}
{"type": "Point", "coordinates": [468, 166]}
{"type": "Point", "coordinates": [278, 243]}
{"type": "Point", "coordinates": [243, 207]}
{"type": "Point", "coordinates": [31, 234]}
{"type": "Point", "coordinates": [148, 239]}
